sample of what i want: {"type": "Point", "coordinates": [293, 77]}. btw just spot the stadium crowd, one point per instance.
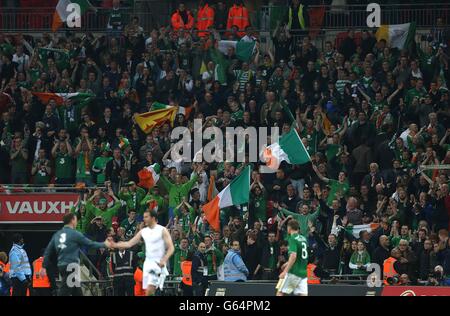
{"type": "Point", "coordinates": [373, 118]}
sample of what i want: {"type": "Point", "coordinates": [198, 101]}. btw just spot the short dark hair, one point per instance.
{"type": "Point", "coordinates": [68, 218]}
{"type": "Point", "coordinates": [293, 224]}
{"type": "Point", "coordinates": [152, 212]}
{"type": "Point", "coordinates": [17, 237]}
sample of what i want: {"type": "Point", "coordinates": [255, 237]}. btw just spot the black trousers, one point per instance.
{"type": "Point", "coordinates": [186, 289]}
{"type": "Point", "coordinates": [199, 289]}
{"type": "Point", "coordinates": [123, 286]}
{"type": "Point", "coordinates": [19, 288]}
{"type": "Point", "coordinates": [66, 289]}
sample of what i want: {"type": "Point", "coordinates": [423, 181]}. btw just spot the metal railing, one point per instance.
{"type": "Point", "coordinates": [157, 13]}
{"type": "Point", "coordinates": [355, 16]}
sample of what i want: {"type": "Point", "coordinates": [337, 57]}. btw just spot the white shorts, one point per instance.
{"type": "Point", "coordinates": [153, 274]}
{"type": "Point", "coordinates": [293, 284]}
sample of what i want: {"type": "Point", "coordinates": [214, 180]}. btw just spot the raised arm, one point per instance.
{"type": "Point", "coordinates": [400, 87]}
{"type": "Point", "coordinates": [321, 177]}
{"type": "Point", "coordinates": [364, 94]}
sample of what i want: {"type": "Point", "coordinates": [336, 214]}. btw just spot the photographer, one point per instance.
{"type": "Point", "coordinates": [436, 278]}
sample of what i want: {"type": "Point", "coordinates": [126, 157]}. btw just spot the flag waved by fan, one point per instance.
{"type": "Point", "coordinates": [149, 176]}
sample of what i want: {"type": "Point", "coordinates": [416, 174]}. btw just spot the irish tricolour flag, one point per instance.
{"type": "Point", "coordinates": [397, 35]}
{"type": "Point", "coordinates": [63, 10]}
{"type": "Point", "coordinates": [236, 193]}
{"type": "Point", "coordinates": [289, 148]}
{"type": "Point", "coordinates": [148, 176]}
{"type": "Point", "coordinates": [356, 229]}
{"type": "Point", "coordinates": [77, 97]}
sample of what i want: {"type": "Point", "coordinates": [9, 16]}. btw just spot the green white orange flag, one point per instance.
{"type": "Point", "coordinates": [289, 148]}
{"type": "Point", "coordinates": [62, 12]}
{"type": "Point", "coordinates": [236, 193]}
{"type": "Point", "coordinates": [78, 97]}
{"type": "Point", "coordinates": [356, 229]}
{"type": "Point", "coordinates": [400, 36]}
{"type": "Point", "coordinates": [148, 176]}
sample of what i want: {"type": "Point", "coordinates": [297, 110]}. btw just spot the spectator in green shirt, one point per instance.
{"type": "Point", "coordinates": [184, 216]}
{"type": "Point", "coordinates": [100, 164]}
{"type": "Point", "coordinates": [41, 169]}
{"type": "Point", "coordinates": [18, 156]}
{"type": "Point", "coordinates": [258, 203]}
{"type": "Point", "coordinates": [181, 253]}
{"type": "Point", "coordinates": [84, 154]}
{"type": "Point", "coordinates": [417, 91]}
{"type": "Point", "coordinates": [360, 260]}
{"type": "Point", "coordinates": [405, 234]}
{"type": "Point", "coordinates": [214, 257]}
{"type": "Point", "coordinates": [62, 152]}
{"type": "Point", "coordinates": [102, 210]}
{"type": "Point", "coordinates": [154, 194]}
{"type": "Point", "coordinates": [303, 218]}
{"type": "Point", "coordinates": [129, 225]}
{"type": "Point", "coordinates": [178, 190]}
{"type": "Point", "coordinates": [132, 195]}
{"type": "Point", "coordinates": [338, 187]}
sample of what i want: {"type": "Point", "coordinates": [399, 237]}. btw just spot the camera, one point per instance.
{"type": "Point", "coordinates": [393, 280]}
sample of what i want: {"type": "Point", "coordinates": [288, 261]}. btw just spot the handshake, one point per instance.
{"type": "Point", "coordinates": [111, 244]}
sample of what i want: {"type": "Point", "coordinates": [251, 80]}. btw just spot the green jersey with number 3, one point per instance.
{"type": "Point", "coordinates": [299, 245]}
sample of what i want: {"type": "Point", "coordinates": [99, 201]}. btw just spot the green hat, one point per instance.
{"type": "Point", "coordinates": [102, 201]}
{"type": "Point", "coordinates": [124, 143]}
{"type": "Point", "coordinates": [105, 147]}
{"type": "Point", "coordinates": [131, 183]}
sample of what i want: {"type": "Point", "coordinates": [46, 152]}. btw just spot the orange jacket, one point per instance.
{"type": "Point", "coordinates": [39, 281]}
{"type": "Point", "coordinates": [186, 270]}
{"type": "Point", "coordinates": [205, 19]}
{"type": "Point", "coordinates": [5, 266]}
{"type": "Point", "coordinates": [312, 278]}
{"type": "Point", "coordinates": [238, 15]}
{"type": "Point", "coordinates": [138, 290]}
{"type": "Point", "coordinates": [388, 269]}
{"type": "Point", "coordinates": [178, 23]}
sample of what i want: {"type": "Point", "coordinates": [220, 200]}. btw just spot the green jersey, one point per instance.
{"type": "Point", "coordinates": [185, 220]}
{"type": "Point", "coordinates": [63, 166]}
{"type": "Point", "coordinates": [258, 206]}
{"type": "Point", "coordinates": [214, 257]}
{"type": "Point", "coordinates": [303, 219]}
{"type": "Point", "coordinates": [133, 199]}
{"type": "Point", "coordinates": [107, 215]}
{"type": "Point", "coordinates": [177, 191]}
{"type": "Point", "coordinates": [337, 187]}
{"type": "Point", "coordinates": [297, 244]}
{"type": "Point", "coordinates": [179, 255]}
{"type": "Point", "coordinates": [130, 228]}
{"type": "Point", "coordinates": [100, 166]}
